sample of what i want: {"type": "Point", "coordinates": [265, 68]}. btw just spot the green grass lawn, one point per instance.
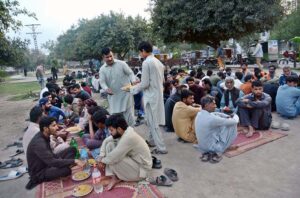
{"type": "Point", "coordinates": [19, 88]}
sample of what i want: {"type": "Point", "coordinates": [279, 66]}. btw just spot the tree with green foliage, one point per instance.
{"type": "Point", "coordinates": [288, 27]}
{"type": "Point", "coordinates": [12, 51]}
{"type": "Point", "coordinates": [86, 40]}
{"type": "Point", "coordinates": [210, 22]}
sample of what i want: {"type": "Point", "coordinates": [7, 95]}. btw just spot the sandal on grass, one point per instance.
{"type": "Point", "coordinates": [171, 173]}
{"type": "Point", "coordinates": [161, 181]}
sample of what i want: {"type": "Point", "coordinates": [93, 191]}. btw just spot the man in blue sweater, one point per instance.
{"type": "Point", "coordinates": [288, 98]}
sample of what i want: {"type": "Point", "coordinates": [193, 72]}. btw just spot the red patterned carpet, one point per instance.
{"type": "Point", "coordinates": [63, 188]}
{"type": "Point", "coordinates": [259, 138]}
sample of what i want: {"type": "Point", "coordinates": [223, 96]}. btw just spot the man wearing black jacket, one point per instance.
{"type": "Point", "coordinates": [43, 164]}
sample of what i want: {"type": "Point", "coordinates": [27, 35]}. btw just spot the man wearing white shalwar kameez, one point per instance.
{"type": "Point", "coordinates": [152, 87]}
{"type": "Point", "coordinates": [114, 75]}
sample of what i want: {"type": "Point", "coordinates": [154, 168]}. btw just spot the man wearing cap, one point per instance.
{"type": "Point", "coordinates": [50, 110]}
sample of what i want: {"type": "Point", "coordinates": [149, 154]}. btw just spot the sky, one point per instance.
{"type": "Point", "coordinates": [57, 16]}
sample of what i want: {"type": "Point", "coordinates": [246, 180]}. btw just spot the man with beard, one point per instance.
{"type": "Point", "coordinates": [50, 110]}
{"type": "Point", "coordinates": [271, 76]}
{"type": "Point", "coordinates": [230, 96]}
{"type": "Point", "coordinates": [43, 164]}
{"type": "Point", "coordinates": [124, 155]}
{"type": "Point", "coordinates": [114, 75]}
{"type": "Point", "coordinates": [255, 109]}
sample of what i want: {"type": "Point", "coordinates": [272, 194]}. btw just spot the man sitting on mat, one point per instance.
{"type": "Point", "coordinates": [43, 164]}
{"type": "Point", "coordinates": [255, 109]}
{"type": "Point", "coordinates": [215, 131]}
{"type": "Point", "coordinates": [124, 155]}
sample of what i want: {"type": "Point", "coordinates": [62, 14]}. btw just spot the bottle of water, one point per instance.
{"type": "Point", "coordinates": [84, 157]}
{"type": "Point", "coordinates": [96, 175]}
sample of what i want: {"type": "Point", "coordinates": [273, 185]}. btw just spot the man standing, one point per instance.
{"type": "Point", "coordinates": [220, 56]}
{"type": "Point", "coordinates": [215, 131]}
{"type": "Point", "coordinates": [54, 72]}
{"type": "Point", "coordinates": [255, 109]}
{"type": "Point", "coordinates": [40, 75]}
{"type": "Point", "coordinates": [124, 155]}
{"type": "Point", "coordinates": [43, 164]}
{"type": "Point", "coordinates": [114, 75]}
{"type": "Point", "coordinates": [152, 87]}
{"type": "Point", "coordinates": [258, 54]}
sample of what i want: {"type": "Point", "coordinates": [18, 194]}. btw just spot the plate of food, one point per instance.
{"type": "Point", "coordinates": [80, 176]}
{"type": "Point", "coordinates": [74, 129]}
{"type": "Point", "coordinates": [126, 87]}
{"type": "Point", "coordinates": [82, 190]}
{"type": "Point", "coordinates": [91, 162]}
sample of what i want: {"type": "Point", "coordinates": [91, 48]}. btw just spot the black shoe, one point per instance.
{"type": "Point", "coordinates": [181, 140]}
{"type": "Point", "coordinates": [149, 144]}
{"type": "Point", "coordinates": [30, 185]}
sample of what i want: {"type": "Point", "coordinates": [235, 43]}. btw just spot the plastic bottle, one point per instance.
{"type": "Point", "coordinates": [74, 144]}
{"type": "Point", "coordinates": [96, 175]}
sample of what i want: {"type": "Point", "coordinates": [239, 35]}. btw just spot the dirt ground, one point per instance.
{"type": "Point", "coordinates": [270, 171]}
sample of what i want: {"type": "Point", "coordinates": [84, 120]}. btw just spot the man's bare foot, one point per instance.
{"type": "Point", "coordinates": [245, 131]}
{"type": "Point", "coordinates": [250, 133]}
{"type": "Point", "coordinates": [114, 180]}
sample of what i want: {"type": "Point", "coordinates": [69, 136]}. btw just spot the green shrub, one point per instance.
{"type": "Point", "coordinates": [3, 74]}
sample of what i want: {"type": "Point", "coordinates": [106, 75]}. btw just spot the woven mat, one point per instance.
{"type": "Point", "coordinates": [63, 188]}
{"type": "Point", "coordinates": [259, 138]}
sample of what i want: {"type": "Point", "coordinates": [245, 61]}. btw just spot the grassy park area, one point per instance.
{"type": "Point", "coordinates": [20, 90]}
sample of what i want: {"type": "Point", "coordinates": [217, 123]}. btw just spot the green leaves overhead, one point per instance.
{"type": "Point", "coordinates": [210, 21]}
{"type": "Point", "coordinates": [288, 27]}
{"type": "Point", "coordinates": [87, 39]}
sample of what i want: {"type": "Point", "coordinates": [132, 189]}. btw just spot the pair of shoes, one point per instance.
{"type": "Point", "coordinates": [161, 181]}
{"type": "Point", "coordinates": [211, 157]}
{"type": "Point", "coordinates": [156, 151]}
{"type": "Point", "coordinates": [215, 158]}
{"type": "Point", "coordinates": [156, 163]}
{"type": "Point", "coordinates": [150, 144]}
{"type": "Point", "coordinates": [283, 126]}
{"type": "Point", "coordinates": [14, 174]}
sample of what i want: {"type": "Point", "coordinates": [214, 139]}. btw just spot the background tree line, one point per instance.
{"type": "Point", "coordinates": [175, 25]}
